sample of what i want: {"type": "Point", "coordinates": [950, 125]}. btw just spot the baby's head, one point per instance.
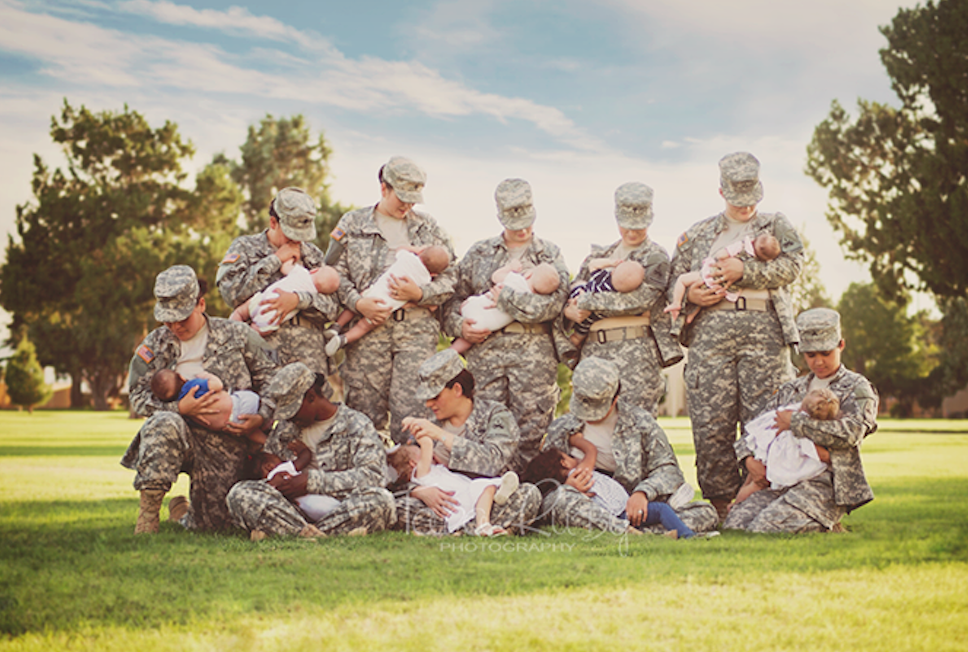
{"type": "Point", "coordinates": [326, 279]}
{"type": "Point", "coordinates": [543, 279]}
{"type": "Point", "coordinates": [403, 459]}
{"type": "Point", "coordinates": [766, 246]}
{"type": "Point", "coordinates": [265, 462]}
{"type": "Point", "coordinates": [627, 276]}
{"type": "Point", "coordinates": [821, 404]}
{"type": "Point", "coordinates": [435, 259]}
{"type": "Point", "coordinates": [550, 464]}
{"type": "Point", "coordinates": [166, 384]}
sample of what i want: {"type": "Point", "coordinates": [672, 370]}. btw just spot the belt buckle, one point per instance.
{"type": "Point", "coordinates": [602, 337]}
{"type": "Point", "coordinates": [741, 303]}
{"type": "Point", "coordinates": [399, 315]}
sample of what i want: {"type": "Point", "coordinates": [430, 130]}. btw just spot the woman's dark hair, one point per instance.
{"type": "Point", "coordinates": [202, 288]}
{"type": "Point", "coordinates": [379, 174]}
{"type": "Point", "coordinates": [545, 471]}
{"type": "Point", "coordinates": [466, 381]}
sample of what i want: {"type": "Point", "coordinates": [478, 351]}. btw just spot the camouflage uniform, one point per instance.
{"type": "Point", "coordinates": [349, 462]}
{"type": "Point", "coordinates": [250, 266]}
{"type": "Point", "coordinates": [168, 444]}
{"type": "Point", "coordinates": [380, 367]}
{"type": "Point", "coordinates": [737, 357]}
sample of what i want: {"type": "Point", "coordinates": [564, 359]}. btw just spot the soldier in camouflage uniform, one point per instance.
{"type": "Point", "coordinates": [738, 352]}
{"type": "Point", "coordinates": [474, 437]}
{"type": "Point", "coordinates": [817, 504]}
{"type": "Point", "coordinates": [348, 464]}
{"type": "Point", "coordinates": [625, 335]}
{"type": "Point", "coordinates": [379, 368]}
{"type": "Point", "coordinates": [635, 453]}
{"type": "Point", "coordinates": [253, 262]}
{"type": "Point", "coordinates": [169, 442]}
{"type": "Point", "coordinates": [517, 365]}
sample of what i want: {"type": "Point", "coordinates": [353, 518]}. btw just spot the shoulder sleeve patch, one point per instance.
{"type": "Point", "coordinates": [230, 258]}
{"type": "Point", "coordinates": [337, 234]}
{"type": "Point", "coordinates": [683, 239]}
{"type": "Point", "coordinates": [145, 354]}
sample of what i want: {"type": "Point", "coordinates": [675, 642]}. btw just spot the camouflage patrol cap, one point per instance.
{"type": "Point", "coordinates": [515, 206]}
{"type": "Point", "coordinates": [593, 385]}
{"type": "Point", "coordinates": [406, 178]}
{"type": "Point", "coordinates": [296, 211]}
{"type": "Point", "coordinates": [819, 330]}
{"type": "Point", "coordinates": [436, 371]}
{"type": "Point", "coordinates": [633, 206]}
{"type": "Point", "coordinates": [288, 387]}
{"type": "Point", "coordinates": [739, 177]}
{"type": "Point", "coordinates": [176, 293]}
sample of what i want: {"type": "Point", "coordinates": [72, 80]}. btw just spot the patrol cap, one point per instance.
{"type": "Point", "coordinates": [176, 293]}
{"type": "Point", "coordinates": [406, 178]}
{"type": "Point", "coordinates": [819, 330]}
{"type": "Point", "coordinates": [515, 206]}
{"type": "Point", "coordinates": [436, 371]}
{"type": "Point", "coordinates": [288, 387]}
{"type": "Point", "coordinates": [633, 205]}
{"type": "Point", "coordinates": [739, 177]}
{"type": "Point", "coordinates": [296, 211]}
{"type": "Point", "coordinates": [593, 386]}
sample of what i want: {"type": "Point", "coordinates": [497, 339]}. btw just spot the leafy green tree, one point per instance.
{"type": "Point", "coordinates": [25, 377]}
{"type": "Point", "coordinates": [808, 290]}
{"type": "Point", "coordinates": [897, 176]}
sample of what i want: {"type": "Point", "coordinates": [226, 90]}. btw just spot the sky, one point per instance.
{"type": "Point", "coordinates": [576, 97]}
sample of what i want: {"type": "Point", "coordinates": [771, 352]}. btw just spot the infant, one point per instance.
{"type": "Point", "coordinates": [607, 275]}
{"type": "Point", "coordinates": [322, 280]}
{"type": "Point", "coordinates": [419, 264]}
{"type": "Point", "coordinates": [764, 247]}
{"type": "Point", "coordinates": [481, 309]}
{"type": "Point", "coordinates": [268, 466]}
{"type": "Point", "coordinates": [788, 459]}
{"type": "Point", "coordinates": [168, 385]}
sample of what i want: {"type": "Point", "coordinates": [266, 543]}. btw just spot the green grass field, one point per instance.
{"type": "Point", "coordinates": [73, 576]}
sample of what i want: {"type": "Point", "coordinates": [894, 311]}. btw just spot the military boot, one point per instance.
{"type": "Point", "coordinates": [148, 511]}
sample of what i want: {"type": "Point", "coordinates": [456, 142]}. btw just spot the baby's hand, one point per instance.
{"type": "Point", "coordinates": [297, 446]}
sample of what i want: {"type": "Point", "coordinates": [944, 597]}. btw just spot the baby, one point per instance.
{"type": "Point", "coordinates": [168, 385]}
{"type": "Point", "coordinates": [788, 460]}
{"type": "Point", "coordinates": [482, 309]}
{"type": "Point", "coordinates": [764, 247]}
{"type": "Point", "coordinates": [268, 466]}
{"type": "Point", "coordinates": [419, 264]}
{"type": "Point", "coordinates": [607, 275]}
{"type": "Point", "coordinates": [474, 497]}
{"type": "Point", "coordinates": [324, 280]}
{"type": "Point", "coordinates": [552, 468]}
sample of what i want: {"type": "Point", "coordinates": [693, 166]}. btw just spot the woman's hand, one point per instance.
{"type": "Point", "coordinates": [247, 424]}
{"type": "Point", "coordinates": [574, 313]}
{"type": "Point", "coordinates": [699, 294]}
{"type": "Point", "coordinates": [403, 289]}
{"type": "Point", "coordinates": [472, 333]}
{"type": "Point", "coordinates": [441, 502]}
{"type": "Point", "coordinates": [197, 407]}
{"type": "Point", "coordinates": [376, 311]}
{"type": "Point", "coordinates": [637, 509]}
{"type": "Point", "coordinates": [282, 302]}
{"type": "Point", "coordinates": [581, 479]}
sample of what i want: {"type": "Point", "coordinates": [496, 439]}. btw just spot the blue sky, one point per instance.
{"type": "Point", "coordinates": [576, 97]}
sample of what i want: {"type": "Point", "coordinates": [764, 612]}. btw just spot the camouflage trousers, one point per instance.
{"type": "Point", "coordinates": [254, 505]}
{"type": "Point", "coordinates": [519, 370]}
{"type": "Point", "coordinates": [166, 446]}
{"type": "Point", "coordinates": [380, 370]}
{"type": "Point", "coordinates": [298, 340]}
{"type": "Point", "coordinates": [805, 507]}
{"type": "Point", "coordinates": [639, 369]}
{"type": "Point", "coordinates": [736, 361]}
{"type": "Point", "coordinates": [519, 513]}
{"type": "Point", "coordinates": [568, 507]}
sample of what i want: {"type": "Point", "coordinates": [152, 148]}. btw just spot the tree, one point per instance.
{"type": "Point", "coordinates": [81, 273]}
{"type": "Point", "coordinates": [897, 176]}
{"type": "Point", "coordinates": [25, 377]}
{"type": "Point", "coordinates": [279, 153]}
{"type": "Point", "coordinates": [808, 290]}
{"type": "Point", "coordinates": [885, 344]}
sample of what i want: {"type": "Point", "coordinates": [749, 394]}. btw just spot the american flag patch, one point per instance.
{"type": "Point", "coordinates": [337, 234]}
{"type": "Point", "coordinates": [145, 354]}
{"type": "Point", "coordinates": [230, 258]}
{"type": "Point", "coordinates": [683, 239]}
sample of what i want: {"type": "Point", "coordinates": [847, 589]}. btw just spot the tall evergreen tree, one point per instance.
{"type": "Point", "coordinates": [25, 377]}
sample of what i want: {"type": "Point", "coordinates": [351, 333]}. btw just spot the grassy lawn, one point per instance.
{"type": "Point", "coordinates": [72, 575]}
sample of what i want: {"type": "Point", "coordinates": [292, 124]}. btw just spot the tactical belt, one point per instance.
{"type": "Point", "coordinates": [743, 304]}
{"type": "Point", "coordinates": [619, 329]}
{"type": "Point", "coordinates": [532, 329]}
{"type": "Point", "coordinates": [413, 314]}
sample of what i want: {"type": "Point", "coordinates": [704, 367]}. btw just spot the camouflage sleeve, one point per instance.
{"type": "Point", "coordinates": [560, 431]}
{"type": "Point", "coordinates": [451, 318]}
{"type": "Point", "coordinates": [662, 473]}
{"type": "Point", "coordinates": [261, 369]}
{"type": "Point", "coordinates": [781, 271]}
{"type": "Point", "coordinates": [239, 277]}
{"type": "Point", "coordinates": [490, 456]}
{"type": "Point", "coordinates": [327, 305]}
{"type": "Point", "coordinates": [281, 433]}
{"type": "Point", "coordinates": [616, 304]}
{"type": "Point", "coordinates": [369, 461]}
{"type": "Point", "coordinates": [143, 401]}
{"type": "Point", "coordinates": [529, 308]}
{"type": "Point", "coordinates": [857, 420]}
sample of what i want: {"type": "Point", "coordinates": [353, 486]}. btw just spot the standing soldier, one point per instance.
{"type": "Point", "coordinates": [738, 351]}
{"type": "Point", "coordinates": [380, 368]}
{"type": "Point", "coordinates": [517, 365]}
{"type": "Point", "coordinates": [253, 262]}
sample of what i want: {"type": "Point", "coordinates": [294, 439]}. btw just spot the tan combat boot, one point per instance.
{"type": "Point", "coordinates": [177, 508]}
{"type": "Point", "coordinates": [148, 511]}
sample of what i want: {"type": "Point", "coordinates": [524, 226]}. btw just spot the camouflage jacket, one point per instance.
{"type": "Point", "coordinates": [250, 265]}
{"type": "Point", "coordinates": [234, 352]}
{"type": "Point", "coordinates": [694, 245]}
{"type": "Point", "coordinates": [349, 456]}
{"type": "Point", "coordinates": [365, 255]}
{"type": "Point", "coordinates": [489, 442]}
{"type": "Point", "coordinates": [841, 436]}
{"type": "Point", "coordinates": [474, 277]}
{"type": "Point", "coordinates": [644, 459]}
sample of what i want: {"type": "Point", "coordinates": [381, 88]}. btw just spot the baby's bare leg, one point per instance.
{"type": "Point", "coordinates": [483, 507]}
{"type": "Point", "coordinates": [460, 345]}
{"type": "Point", "coordinates": [750, 487]}
{"type": "Point", "coordinates": [241, 313]}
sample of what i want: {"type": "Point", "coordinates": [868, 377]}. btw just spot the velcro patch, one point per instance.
{"type": "Point", "coordinates": [337, 234]}
{"type": "Point", "coordinates": [230, 258]}
{"type": "Point", "coordinates": [683, 239]}
{"type": "Point", "coordinates": [145, 354]}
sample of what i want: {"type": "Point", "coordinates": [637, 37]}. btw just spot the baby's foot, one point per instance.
{"type": "Point", "coordinates": [673, 310]}
{"type": "Point", "coordinates": [335, 344]}
{"type": "Point", "coordinates": [489, 530]}
{"type": "Point", "coordinates": [509, 484]}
